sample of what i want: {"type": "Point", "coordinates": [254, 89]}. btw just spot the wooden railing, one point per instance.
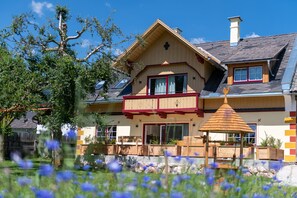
{"type": "Point", "coordinates": [173, 103]}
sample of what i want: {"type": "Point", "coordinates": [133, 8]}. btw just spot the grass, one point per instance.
{"type": "Point", "coordinates": [80, 183]}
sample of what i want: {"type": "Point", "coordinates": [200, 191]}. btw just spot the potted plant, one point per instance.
{"type": "Point", "coordinates": [270, 148]}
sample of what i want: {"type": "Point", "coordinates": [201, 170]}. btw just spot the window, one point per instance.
{"type": "Point", "coordinates": [165, 133]}
{"type": "Point", "coordinates": [248, 74]}
{"type": "Point", "coordinates": [107, 132]}
{"type": "Point", "coordinates": [121, 84]}
{"type": "Point", "coordinates": [99, 85]}
{"type": "Point", "coordinates": [249, 138]}
{"type": "Point", "coordinates": [172, 84]}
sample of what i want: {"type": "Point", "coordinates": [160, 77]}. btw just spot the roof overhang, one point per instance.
{"type": "Point", "coordinates": [151, 35]}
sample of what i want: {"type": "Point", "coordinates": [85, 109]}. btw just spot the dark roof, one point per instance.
{"type": "Point", "coordinates": [275, 48]}
{"type": "Point", "coordinates": [25, 122]}
{"type": "Point", "coordinates": [112, 94]}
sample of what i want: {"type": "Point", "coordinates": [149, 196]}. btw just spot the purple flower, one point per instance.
{"type": "Point", "coordinates": [88, 187]}
{"type": "Point", "coordinates": [52, 145]}
{"type": "Point", "coordinates": [231, 172]}
{"type": "Point", "coordinates": [25, 164]}
{"type": "Point", "coordinates": [46, 170]}
{"type": "Point", "coordinates": [266, 187]}
{"type": "Point", "coordinates": [42, 193]}
{"type": "Point", "coordinates": [23, 181]}
{"type": "Point", "coordinates": [146, 178]}
{"type": "Point", "coordinates": [114, 167]}
{"type": "Point", "coordinates": [196, 153]}
{"type": "Point", "coordinates": [226, 186]}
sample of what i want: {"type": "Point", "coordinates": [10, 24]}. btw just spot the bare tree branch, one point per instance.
{"type": "Point", "coordinates": [96, 49]}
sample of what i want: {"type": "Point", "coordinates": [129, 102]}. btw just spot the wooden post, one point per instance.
{"type": "Point", "coordinates": [206, 150]}
{"type": "Point", "coordinates": [241, 149]}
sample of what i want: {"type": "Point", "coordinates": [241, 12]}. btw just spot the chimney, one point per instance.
{"type": "Point", "coordinates": [177, 30]}
{"type": "Point", "coordinates": [234, 30]}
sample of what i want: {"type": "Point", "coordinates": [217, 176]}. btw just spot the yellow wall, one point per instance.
{"type": "Point", "coordinates": [247, 102]}
{"type": "Point", "coordinates": [158, 61]}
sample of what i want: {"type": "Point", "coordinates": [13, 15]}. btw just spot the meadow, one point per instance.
{"type": "Point", "coordinates": [38, 178]}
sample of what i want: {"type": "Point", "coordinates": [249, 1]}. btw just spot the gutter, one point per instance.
{"type": "Point", "coordinates": [290, 70]}
{"type": "Point", "coordinates": [104, 101]}
{"type": "Point", "coordinates": [217, 95]}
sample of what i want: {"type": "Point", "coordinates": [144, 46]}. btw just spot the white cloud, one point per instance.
{"type": "Point", "coordinates": [38, 7]}
{"type": "Point", "coordinates": [253, 35]}
{"type": "Point", "coordinates": [118, 52]}
{"type": "Point", "coordinates": [85, 43]}
{"type": "Point", "coordinates": [197, 40]}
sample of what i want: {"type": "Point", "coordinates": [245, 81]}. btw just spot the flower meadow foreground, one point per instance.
{"type": "Point", "coordinates": [23, 178]}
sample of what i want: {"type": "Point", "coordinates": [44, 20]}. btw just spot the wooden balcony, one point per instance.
{"type": "Point", "coordinates": [161, 104]}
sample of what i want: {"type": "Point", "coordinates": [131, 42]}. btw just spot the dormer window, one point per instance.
{"type": "Point", "coordinates": [248, 74]}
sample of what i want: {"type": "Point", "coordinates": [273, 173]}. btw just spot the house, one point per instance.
{"type": "Point", "coordinates": [171, 87]}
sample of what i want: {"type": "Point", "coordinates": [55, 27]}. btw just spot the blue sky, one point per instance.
{"type": "Point", "coordinates": [200, 20]}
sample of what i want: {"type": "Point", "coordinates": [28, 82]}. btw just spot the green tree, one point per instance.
{"type": "Point", "coordinates": [68, 76]}
{"type": "Point", "coordinates": [20, 91]}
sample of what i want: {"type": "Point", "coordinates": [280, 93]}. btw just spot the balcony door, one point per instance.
{"type": "Point", "coordinates": [164, 133]}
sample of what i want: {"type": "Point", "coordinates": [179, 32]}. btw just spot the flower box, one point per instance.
{"type": "Point", "coordinates": [269, 153]}
{"type": "Point", "coordinates": [229, 151]}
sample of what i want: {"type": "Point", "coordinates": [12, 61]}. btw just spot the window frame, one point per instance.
{"type": "Point", "coordinates": [107, 133]}
{"type": "Point", "coordinates": [247, 138]}
{"type": "Point", "coordinates": [166, 77]}
{"type": "Point", "coordinates": [248, 80]}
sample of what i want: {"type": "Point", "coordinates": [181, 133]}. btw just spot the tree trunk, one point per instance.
{"type": "Point", "coordinates": [1, 148]}
{"type": "Point", "coordinates": [57, 155]}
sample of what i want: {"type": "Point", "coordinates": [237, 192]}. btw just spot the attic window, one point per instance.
{"type": "Point", "coordinates": [121, 84]}
{"type": "Point", "coordinates": [248, 74]}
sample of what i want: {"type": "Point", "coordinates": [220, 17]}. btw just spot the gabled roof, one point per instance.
{"type": "Point", "coordinates": [274, 49]}
{"type": "Point", "coordinates": [152, 34]}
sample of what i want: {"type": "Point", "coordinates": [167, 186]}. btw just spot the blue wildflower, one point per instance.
{"type": "Point", "coordinates": [190, 160]}
{"type": "Point", "coordinates": [114, 167]}
{"type": "Point", "coordinates": [23, 181]}
{"type": "Point", "coordinates": [146, 178]}
{"type": "Point", "coordinates": [71, 134]}
{"type": "Point", "coordinates": [231, 172]}
{"type": "Point", "coordinates": [25, 164]}
{"type": "Point", "coordinates": [79, 196]}
{"type": "Point", "coordinates": [87, 187]}
{"type": "Point", "coordinates": [86, 167]}
{"type": "Point", "coordinates": [42, 193]}
{"type": "Point", "coordinates": [167, 153]}
{"type": "Point", "coordinates": [196, 153]}
{"type": "Point", "coordinates": [214, 165]}
{"type": "Point", "coordinates": [210, 180]}
{"type": "Point", "coordinates": [46, 170]}
{"type": "Point", "coordinates": [121, 194]}
{"type": "Point", "coordinates": [178, 158]}
{"type": "Point", "coordinates": [52, 145]}
{"type": "Point", "coordinates": [64, 176]}
{"type": "Point", "coordinates": [176, 195]}
{"type": "Point", "coordinates": [98, 161]}
{"type": "Point", "coordinates": [266, 187]}
{"type": "Point", "coordinates": [238, 189]}
{"type": "Point", "coordinates": [226, 186]}
{"type": "Point", "coordinates": [100, 194]}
